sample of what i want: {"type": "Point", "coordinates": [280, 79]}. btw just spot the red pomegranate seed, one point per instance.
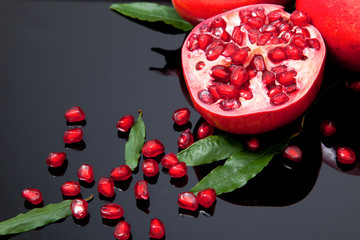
{"type": "Point", "coordinates": [79, 208]}
{"type": "Point", "coordinates": [240, 55]}
{"type": "Point", "coordinates": [286, 78]}
{"type": "Point", "coordinates": [141, 190]}
{"type": "Point", "coordinates": [293, 153]}
{"type": "Point", "coordinates": [277, 54]}
{"type": "Point", "coordinates": [230, 49]}
{"type": "Point", "coordinates": [299, 41]}
{"type": "Point", "coordinates": [178, 170]}
{"type": "Point", "coordinates": [245, 93]}
{"type": "Point", "coordinates": [268, 79]}
{"type": "Point", "coordinates": [227, 91]}
{"type": "Point", "coordinates": [238, 76]}
{"type": "Point", "coordinates": [122, 230]}
{"type": "Point", "coordinates": [70, 188]}
{"type": "Point", "coordinates": [206, 197]}
{"type": "Point", "coordinates": [32, 195]}
{"type": "Point", "coordinates": [230, 104]}
{"type": "Point", "coordinates": [299, 18]}
{"type": "Point", "coordinates": [188, 200]}
{"type": "Point", "coordinates": [56, 159]}
{"type": "Point", "coordinates": [237, 35]}
{"type": "Point", "coordinates": [204, 130]}
{"type": "Point", "coordinates": [186, 138]}
{"type": "Point", "coordinates": [214, 52]}
{"type": "Point", "coordinates": [218, 22]}
{"type": "Point", "coordinates": [181, 116]}
{"type": "Point", "coordinates": [157, 229]}
{"type": "Point", "coordinates": [253, 35]}
{"type": "Point", "coordinates": [125, 123]}
{"type": "Point", "coordinates": [279, 99]}
{"type": "Point", "coordinates": [258, 62]}
{"type": "Point", "coordinates": [302, 31]}
{"type": "Point", "coordinates": [200, 65]}
{"type": "Point", "coordinates": [285, 27]}
{"type": "Point", "coordinates": [345, 155]}
{"type": "Point", "coordinates": [291, 88]}
{"type": "Point", "coordinates": [293, 52]}
{"type": "Point", "coordinates": [74, 114]}
{"type": "Point", "coordinates": [253, 143]}
{"type": "Point", "coordinates": [274, 16]}
{"type": "Point", "coordinates": [86, 173]}
{"type": "Point", "coordinates": [275, 90]}
{"type": "Point", "coordinates": [121, 173]}
{"type": "Point", "coordinates": [206, 97]}
{"type": "Point", "coordinates": [193, 42]}
{"type": "Point", "coordinates": [264, 38]}
{"type": "Point", "coordinates": [150, 167]}
{"type": "Point", "coordinates": [256, 22]}
{"type": "Point", "coordinates": [270, 28]}
{"type": "Point", "coordinates": [73, 135]}
{"type": "Point", "coordinates": [204, 41]}
{"type": "Point", "coordinates": [111, 211]}
{"type": "Point", "coordinates": [153, 148]}
{"type": "Point", "coordinates": [220, 73]}
{"type": "Point", "coordinates": [327, 128]}
{"type": "Point", "coordinates": [213, 91]}
{"type": "Point", "coordinates": [169, 160]}
{"type": "Point", "coordinates": [279, 69]}
{"type": "Point", "coordinates": [105, 187]}
{"type": "Point", "coordinates": [313, 43]}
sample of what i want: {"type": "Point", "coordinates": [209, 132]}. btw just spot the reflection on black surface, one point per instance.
{"type": "Point", "coordinates": [112, 222]}
{"type": "Point", "coordinates": [123, 135]}
{"type": "Point", "coordinates": [123, 185]}
{"type": "Point", "coordinates": [143, 205]}
{"type": "Point", "coordinates": [71, 197]}
{"type": "Point", "coordinates": [181, 128]}
{"type": "Point", "coordinates": [109, 199]}
{"type": "Point", "coordinates": [29, 205]}
{"type": "Point", "coordinates": [179, 182]}
{"type": "Point", "coordinates": [86, 184]}
{"type": "Point", "coordinates": [208, 212]}
{"type": "Point", "coordinates": [79, 146]}
{"type": "Point", "coordinates": [188, 213]}
{"type": "Point", "coordinates": [58, 171]}
{"type": "Point", "coordinates": [82, 222]}
{"type": "Point", "coordinates": [151, 180]}
{"type": "Point", "coordinates": [76, 124]}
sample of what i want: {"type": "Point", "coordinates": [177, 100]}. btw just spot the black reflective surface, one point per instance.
{"type": "Point", "coordinates": [57, 54]}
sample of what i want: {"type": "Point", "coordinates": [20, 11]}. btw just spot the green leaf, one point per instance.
{"type": "Point", "coordinates": [35, 218]}
{"type": "Point", "coordinates": [152, 12]}
{"type": "Point", "coordinates": [210, 149]}
{"type": "Point", "coordinates": [135, 143]}
{"type": "Point", "coordinates": [238, 169]}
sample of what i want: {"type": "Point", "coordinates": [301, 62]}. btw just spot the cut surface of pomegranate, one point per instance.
{"type": "Point", "coordinates": [260, 70]}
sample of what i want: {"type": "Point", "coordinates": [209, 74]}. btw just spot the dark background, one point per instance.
{"type": "Point", "coordinates": [58, 54]}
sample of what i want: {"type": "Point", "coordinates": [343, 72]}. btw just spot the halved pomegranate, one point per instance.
{"type": "Point", "coordinates": [253, 69]}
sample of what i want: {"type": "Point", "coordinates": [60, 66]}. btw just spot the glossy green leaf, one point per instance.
{"type": "Point", "coordinates": [238, 169]}
{"type": "Point", "coordinates": [35, 218]}
{"type": "Point", "coordinates": [210, 149]}
{"type": "Point", "coordinates": [152, 12]}
{"type": "Point", "coordinates": [135, 143]}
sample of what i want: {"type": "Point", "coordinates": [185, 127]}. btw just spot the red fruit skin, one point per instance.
{"type": "Point", "coordinates": [106, 187]}
{"type": "Point", "coordinates": [157, 229]}
{"type": "Point", "coordinates": [197, 11]}
{"type": "Point", "coordinates": [32, 195]}
{"type": "Point", "coordinates": [125, 123]}
{"type": "Point", "coordinates": [178, 170]}
{"type": "Point", "coordinates": [111, 211]}
{"type": "Point", "coordinates": [206, 197]}
{"type": "Point", "coordinates": [188, 200]}
{"type": "Point", "coordinates": [86, 173]}
{"type": "Point", "coordinates": [70, 188]}
{"type": "Point", "coordinates": [73, 135]}
{"type": "Point", "coordinates": [74, 114]}
{"type": "Point", "coordinates": [153, 148]}
{"type": "Point", "coordinates": [141, 190]}
{"type": "Point", "coordinates": [150, 167]}
{"type": "Point", "coordinates": [56, 159]}
{"type": "Point", "coordinates": [121, 173]}
{"type": "Point", "coordinates": [169, 160]}
{"type": "Point", "coordinates": [122, 230]}
{"type": "Point", "coordinates": [79, 208]}
{"type": "Point", "coordinates": [338, 22]}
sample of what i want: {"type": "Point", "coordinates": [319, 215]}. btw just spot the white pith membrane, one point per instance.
{"type": "Point", "coordinates": [307, 70]}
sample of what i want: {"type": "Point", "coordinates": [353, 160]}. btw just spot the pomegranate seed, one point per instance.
{"type": "Point", "coordinates": [218, 22]}
{"type": "Point", "coordinates": [313, 43]}
{"type": "Point", "coordinates": [302, 31]}
{"type": "Point", "coordinates": [245, 93]}
{"type": "Point", "coordinates": [275, 90]}
{"type": "Point", "coordinates": [188, 200]}
{"type": "Point", "coordinates": [157, 229]}
{"type": "Point", "coordinates": [258, 62]}
{"type": "Point", "coordinates": [353, 86]}
{"type": "Point", "coordinates": [285, 27]}
{"type": "Point", "coordinates": [274, 16]}
{"type": "Point", "coordinates": [186, 138]}
{"type": "Point", "coordinates": [141, 190]}
{"type": "Point", "coordinates": [79, 208]}
{"type": "Point", "coordinates": [153, 148]}
{"type": "Point", "coordinates": [299, 41]}
{"type": "Point", "coordinates": [286, 78]}
{"type": "Point", "coordinates": [213, 91]}
{"type": "Point", "coordinates": [253, 143]}
{"type": "Point", "coordinates": [125, 123]}
{"type": "Point", "coordinates": [293, 52]}
{"type": "Point", "coordinates": [121, 173]}
{"type": "Point", "coordinates": [256, 22]}
{"type": "Point", "coordinates": [86, 173]}
{"type": "Point", "coordinates": [299, 18]}
{"type": "Point", "coordinates": [73, 135]}
{"type": "Point", "coordinates": [105, 187]}
{"type": "Point", "coordinates": [56, 159]}
{"type": "Point", "coordinates": [220, 73]}
{"type": "Point", "coordinates": [206, 97]}
{"type": "Point", "coordinates": [181, 116]}
{"type": "Point", "coordinates": [178, 170]}
{"type": "Point", "coordinates": [238, 76]}
{"type": "Point", "coordinates": [214, 52]}
{"type": "Point", "coordinates": [204, 130]}
{"type": "Point", "coordinates": [268, 79]}
{"type": "Point", "coordinates": [150, 167]}
{"type": "Point", "coordinates": [237, 35]}
{"type": "Point", "coordinates": [70, 188]}
{"type": "Point", "coordinates": [206, 197]}
{"type": "Point", "coordinates": [111, 211]}
{"type": "Point", "coordinates": [204, 41]}
{"type": "Point", "coordinates": [230, 49]}
{"type": "Point", "coordinates": [291, 88]}
{"type": "Point", "coordinates": [169, 160]}
{"type": "Point", "coordinates": [277, 54]}
{"type": "Point", "coordinates": [293, 153]}
{"type": "Point", "coordinates": [251, 71]}
{"type": "Point", "coordinates": [200, 65]}
{"type": "Point", "coordinates": [193, 42]}
{"type": "Point", "coordinates": [74, 114]}
{"type": "Point", "coordinates": [32, 195]}
{"type": "Point", "coordinates": [230, 104]}
{"type": "Point", "coordinates": [253, 35]}
{"type": "Point", "coordinates": [327, 128]}
{"type": "Point", "coordinates": [227, 91]}
{"type": "Point", "coordinates": [122, 230]}
{"type": "Point", "coordinates": [279, 99]}
{"type": "Point", "coordinates": [345, 155]}
{"type": "Point", "coordinates": [240, 55]}
{"type": "Point", "coordinates": [270, 28]}
{"type": "Point", "coordinates": [264, 38]}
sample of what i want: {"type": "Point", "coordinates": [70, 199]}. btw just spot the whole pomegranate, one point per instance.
{"type": "Point", "coordinates": [253, 69]}
{"type": "Point", "coordinates": [338, 22]}
{"type": "Point", "coordinates": [197, 11]}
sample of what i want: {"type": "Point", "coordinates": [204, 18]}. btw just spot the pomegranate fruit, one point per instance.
{"type": "Point", "coordinates": [197, 11]}
{"type": "Point", "coordinates": [261, 71]}
{"type": "Point", "coordinates": [339, 24]}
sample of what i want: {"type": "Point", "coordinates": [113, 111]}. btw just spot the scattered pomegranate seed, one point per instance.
{"type": "Point", "coordinates": [74, 114]}
{"type": "Point", "coordinates": [169, 160]}
{"type": "Point", "coordinates": [121, 173]}
{"type": "Point", "coordinates": [327, 128]}
{"type": "Point", "coordinates": [79, 208]}
{"type": "Point", "coordinates": [181, 116]}
{"type": "Point", "coordinates": [141, 190]}
{"type": "Point", "coordinates": [253, 143]}
{"type": "Point", "coordinates": [73, 135]}
{"type": "Point", "coordinates": [153, 148]}
{"type": "Point", "coordinates": [188, 200]}
{"type": "Point", "coordinates": [86, 173]}
{"type": "Point", "coordinates": [32, 195]}
{"type": "Point", "coordinates": [204, 130]}
{"type": "Point", "coordinates": [206, 197]}
{"type": "Point", "coordinates": [186, 139]}
{"type": "Point", "coordinates": [345, 155]}
{"type": "Point", "coordinates": [111, 211]}
{"type": "Point", "coordinates": [106, 187]}
{"type": "Point", "coordinates": [293, 153]}
{"type": "Point", "coordinates": [354, 86]}
{"type": "Point", "coordinates": [125, 123]}
{"type": "Point", "coordinates": [56, 159]}
{"type": "Point", "coordinates": [122, 230]}
{"type": "Point", "coordinates": [70, 188]}
{"type": "Point", "coordinates": [150, 167]}
{"type": "Point", "coordinates": [178, 170]}
{"type": "Point", "coordinates": [157, 229]}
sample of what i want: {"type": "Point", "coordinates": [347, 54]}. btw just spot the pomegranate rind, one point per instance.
{"type": "Point", "coordinates": [254, 116]}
